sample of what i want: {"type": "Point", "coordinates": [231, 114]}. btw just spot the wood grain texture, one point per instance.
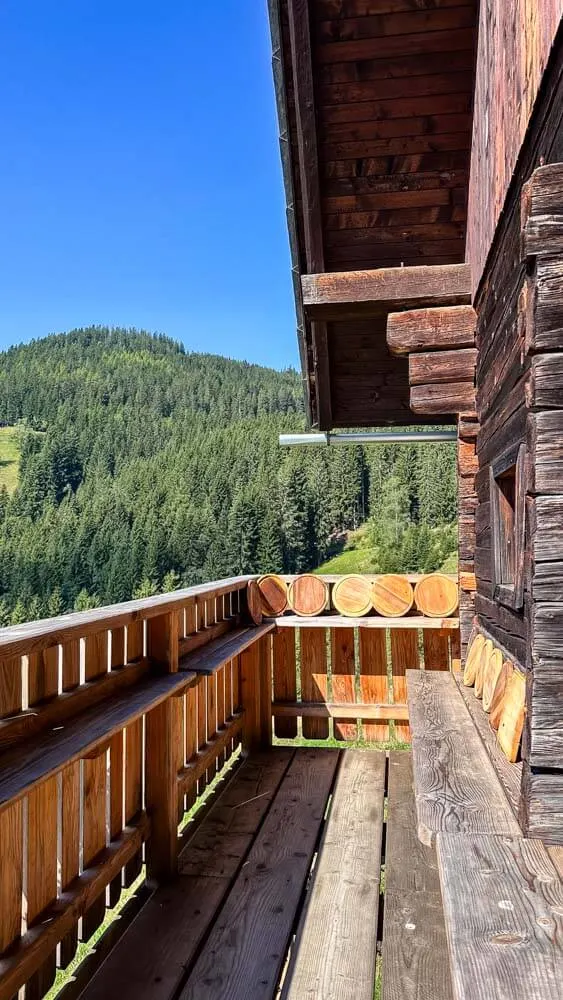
{"type": "Point", "coordinates": [70, 848]}
{"type": "Point", "coordinates": [48, 753]}
{"type": "Point", "coordinates": [505, 92]}
{"type": "Point", "coordinates": [152, 958]}
{"type": "Point", "coordinates": [374, 680]}
{"type": "Point", "coordinates": [509, 775]}
{"type": "Point", "coordinates": [415, 956]}
{"type": "Point", "coordinates": [285, 678]}
{"type": "Point", "coordinates": [94, 778]}
{"type": "Point", "coordinates": [436, 647]}
{"type": "Point", "coordinates": [314, 681]}
{"type": "Point", "coordinates": [503, 902]}
{"type": "Point", "coordinates": [41, 883]}
{"type": "Point", "coordinates": [431, 329]}
{"type": "Point", "coordinates": [457, 789]}
{"type": "Point", "coordinates": [442, 366]}
{"type": "Point", "coordinates": [11, 874]}
{"type": "Point", "coordinates": [351, 293]}
{"type": "Point", "coordinates": [392, 595]}
{"type": "Point", "coordinates": [243, 956]}
{"type": "Point", "coordinates": [308, 595]}
{"type": "Point", "coordinates": [404, 656]}
{"type": "Point", "coordinates": [345, 883]}
{"type": "Point", "coordinates": [339, 621]}
{"type": "Point", "coordinates": [34, 636]}
{"type": "Point", "coordinates": [343, 671]}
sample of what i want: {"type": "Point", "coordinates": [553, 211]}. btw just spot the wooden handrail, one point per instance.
{"type": "Point", "coordinates": [16, 640]}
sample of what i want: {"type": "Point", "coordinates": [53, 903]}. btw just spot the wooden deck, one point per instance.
{"type": "Point", "coordinates": [280, 892]}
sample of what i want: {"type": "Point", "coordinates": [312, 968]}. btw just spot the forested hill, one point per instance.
{"type": "Point", "coordinates": [144, 467]}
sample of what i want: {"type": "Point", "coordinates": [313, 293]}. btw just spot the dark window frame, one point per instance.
{"type": "Point", "coordinates": [508, 504]}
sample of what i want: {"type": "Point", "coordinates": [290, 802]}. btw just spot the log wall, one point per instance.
{"type": "Point", "coordinates": [514, 44]}
{"type": "Point", "coordinates": [520, 402]}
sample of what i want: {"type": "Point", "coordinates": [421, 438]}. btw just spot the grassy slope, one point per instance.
{"type": "Point", "coordinates": [9, 457]}
{"type": "Point", "coordinates": [356, 557]}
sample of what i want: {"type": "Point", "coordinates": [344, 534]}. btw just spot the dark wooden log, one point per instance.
{"type": "Point", "coordinates": [542, 211]}
{"type": "Point", "coordinates": [350, 294]}
{"type": "Point", "coordinates": [545, 327]}
{"type": "Point", "coordinates": [442, 366]}
{"type": "Point", "coordinates": [431, 329]}
{"type": "Point", "coordinates": [544, 389]}
{"type": "Point", "coordinates": [454, 397]}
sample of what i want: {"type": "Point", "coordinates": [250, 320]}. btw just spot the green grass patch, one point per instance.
{"type": "Point", "coordinates": [9, 457]}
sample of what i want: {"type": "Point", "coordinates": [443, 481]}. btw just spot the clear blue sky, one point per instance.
{"type": "Point", "coordinates": [140, 182]}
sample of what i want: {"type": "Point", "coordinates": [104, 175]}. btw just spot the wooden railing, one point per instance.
{"type": "Point", "coordinates": [114, 721]}
{"type": "Point", "coordinates": [346, 678]}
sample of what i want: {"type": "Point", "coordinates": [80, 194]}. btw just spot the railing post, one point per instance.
{"type": "Point", "coordinates": [161, 755]}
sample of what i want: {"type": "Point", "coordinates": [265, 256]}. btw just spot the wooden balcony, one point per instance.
{"type": "Point", "coordinates": [159, 744]}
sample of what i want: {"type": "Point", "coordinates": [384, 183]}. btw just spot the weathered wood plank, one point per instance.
{"type": "Point", "coordinates": [442, 366]}
{"type": "Point", "coordinates": [48, 753]}
{"type": "Point", "coordinates": [510, 775]}
{"type": "Point", "coordinates": [214, 655]}
{"type": "Point", "coordinates": [431, 329]}
{"type": "Point", "coordinates": [41, 882]}
{"type": "Point", "coordinates": [374, 682]}
{"type": "Point", "coordinates": [244, 954]}
{"type": "Point", "coordinates": [345, 883]}
{"type": "Point", "coordinates": [404, 656]}
{"type": "Point", "coordinates": [346, 294]}
{"type": "Point", "coordinates": [415, 951]}
{"type": "Point", "coordinates": [335, 710]}
{"type": "Point", "coordinates": [441, 399]}
{"type": "Point", "coordinates": [313, 643]}
{"type": "Point", "coordinates": [503, 902]}
{"type": "Point", "coordinates": [343, 669]}
{"type": "Point", "coordinates": [457, 789]}
{"type": "Point", "coordinates": [377, 622]}
{"type": "Point", "coordinates": [150, 961]}
{"type": "Point", "coordinates": [285, 677]}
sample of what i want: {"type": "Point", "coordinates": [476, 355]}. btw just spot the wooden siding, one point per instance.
{"type": "Point", "coordinates": [514, 45]}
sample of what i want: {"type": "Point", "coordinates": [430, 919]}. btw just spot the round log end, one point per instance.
{"type": "Point", "coordinates": [472, 660]}
{"type": "Point", "coordinates": [308, 595]}
{"type": "Point", "coordinates": [273, 595]}
{"type": "Point", "coordinates": [392, 595]}
{"type": "Point", "coordinates": [436, 595]}
{"type": "Point", "coordinates": [351, 596]}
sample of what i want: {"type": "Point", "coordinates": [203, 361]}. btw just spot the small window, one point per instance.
{"type": "Point", "coordinates": [507, 526]}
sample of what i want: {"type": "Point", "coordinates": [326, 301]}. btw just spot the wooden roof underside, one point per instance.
{"type": "Point", "coordinates": [374, 101]}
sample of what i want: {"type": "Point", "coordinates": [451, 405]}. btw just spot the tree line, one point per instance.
{"type": "Point", "coordinates": [145, 467]}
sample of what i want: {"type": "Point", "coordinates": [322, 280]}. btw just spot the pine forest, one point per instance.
{"type": "Point", "coordinates": [142, 467]}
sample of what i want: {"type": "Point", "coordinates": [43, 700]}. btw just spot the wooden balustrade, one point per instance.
{"type": "Point", "coordinates": [113, 723]}
{"type": "Point", "coordinates": [107, 736]}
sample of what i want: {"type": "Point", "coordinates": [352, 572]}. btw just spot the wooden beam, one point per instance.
{"type": "Point", "coordinates": [431, 329]}
{"type": "Point", "coordinates": [433, 400]}
{"type": "Point", "coordinates": [442, 366]}
{"type": "Point", "coordinates": [343, 295]}
{"type": "Point", "coordinates": [331, 710]}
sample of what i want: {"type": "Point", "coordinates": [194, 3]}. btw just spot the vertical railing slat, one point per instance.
{"type": "Point", "coordinates": [374, 682]}
{"type": "Point", "coordinates": [314, 680]}
{"type": "Point", "coordinates": [343, 679]}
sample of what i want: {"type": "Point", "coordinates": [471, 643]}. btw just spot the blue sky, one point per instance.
{"type": "Point", "coordinates": [140, 181]}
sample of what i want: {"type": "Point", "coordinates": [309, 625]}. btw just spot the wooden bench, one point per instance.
{"type": "Point", "coordinates": [276, 898]}
{"type": "Point", "coordinates": [456, 787]}
{"type": "Point", "coordinates": [502, 894]}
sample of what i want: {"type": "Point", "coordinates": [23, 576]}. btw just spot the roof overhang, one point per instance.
{"type": "Point", "coordinates": [374, 104]}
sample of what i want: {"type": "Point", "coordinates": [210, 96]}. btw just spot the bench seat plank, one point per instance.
{"type": "Point", "coordinates": [456, 787]}
{"type": "Point", "coordinates": [335, 950]}
{"type": "Point", "coordinates": [415, 948]}
{"type": "Point", "coordinates": [244, 954]}
{"type": "Point", "coordinates": [503, 902]}
{"type": "Point", "coordinates": [210, 658]}
{"type": "Point", "coordinates": [24, 766]}
{"type": "Point", "coordinates": [510, 775]}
